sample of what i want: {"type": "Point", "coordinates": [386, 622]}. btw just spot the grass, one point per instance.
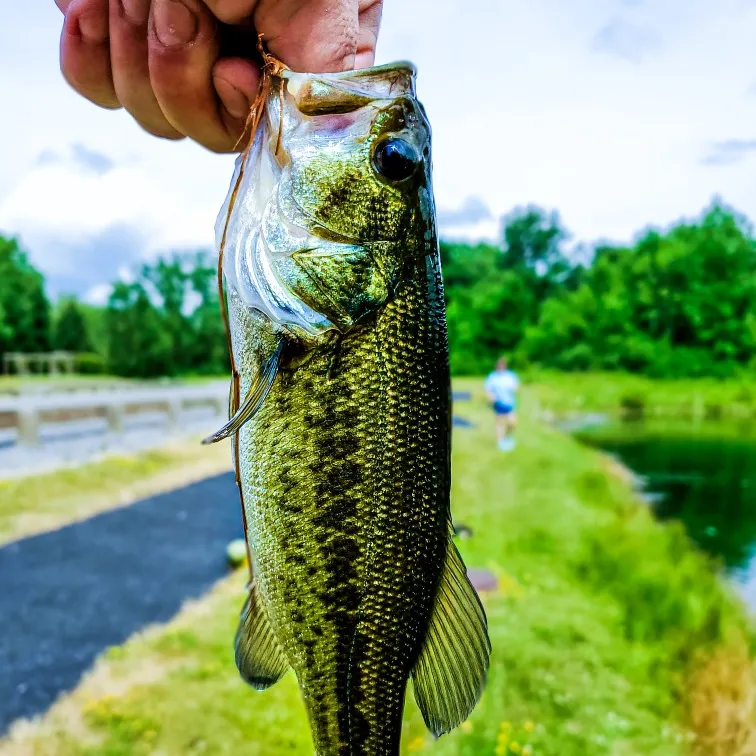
{"type": "Point", "coordinates": [44, 502]}
{"type": "Point", "coordinates": [611, 634]}
{"type": "Point", "coordinates": [570, 393]}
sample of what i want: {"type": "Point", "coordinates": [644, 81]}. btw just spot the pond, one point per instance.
{"type": "Point", "coordinates": [703, 474]}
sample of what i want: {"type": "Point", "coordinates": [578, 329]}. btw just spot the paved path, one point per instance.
{"type": "Point", "coordinates": [67, 595]}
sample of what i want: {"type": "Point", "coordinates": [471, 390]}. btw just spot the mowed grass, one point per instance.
{"type": "Point", "coordinates": [569, 393]}
{"type": "Point", "coordinates": [44, 502]}
{"type": "Point", "coordinates": [601, 626]}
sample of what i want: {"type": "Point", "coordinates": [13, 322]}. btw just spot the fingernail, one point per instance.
{"type": "Point", "coordinates": [93, 26]}
{"type": "Point", "coordinates": [137, 11]}
{"type": "Point", "coordinates": [175, 24]}
{"type": "Point", "coordinates": [233, 99]}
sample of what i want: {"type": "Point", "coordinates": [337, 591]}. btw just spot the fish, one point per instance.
{"type": "Point", "coordinates": [340, 416]}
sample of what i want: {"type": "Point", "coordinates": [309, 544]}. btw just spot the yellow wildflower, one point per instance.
{"type": "Point", "coordinates": [416, 745]}
{"type": "Point", "coordinates": [528, 726]}
{"type": "Point", "coordinates": [467, 726]}
{"type": "Point", "coordinates": [515, 747]}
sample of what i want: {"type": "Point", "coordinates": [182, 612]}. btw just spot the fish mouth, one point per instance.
{"type": "Point", "coordinates": [364, 76]}
{"type": "Point", "coordinates": [346, 91]}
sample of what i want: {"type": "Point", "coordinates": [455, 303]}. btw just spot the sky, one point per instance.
{"type": "Point", "coordinates": [619, 114]}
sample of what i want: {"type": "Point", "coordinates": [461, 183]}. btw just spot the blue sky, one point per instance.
{"type": "Point", "coordinates": [618, 113]}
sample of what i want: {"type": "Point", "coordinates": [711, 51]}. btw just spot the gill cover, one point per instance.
{"type": "Point", "coordinates": [336, 177]}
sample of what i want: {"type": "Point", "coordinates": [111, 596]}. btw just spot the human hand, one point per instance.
{"type": "Point", "coordinates": [167, 62]}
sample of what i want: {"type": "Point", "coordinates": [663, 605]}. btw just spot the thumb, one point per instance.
{"type": "Point", "coordinates": [317, 36]}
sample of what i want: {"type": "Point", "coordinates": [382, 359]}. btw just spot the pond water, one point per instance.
{"type": "Point", "coordinates": [703, 474]}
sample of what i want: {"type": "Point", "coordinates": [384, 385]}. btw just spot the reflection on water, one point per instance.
{"type": "Point", "coordinates": [703, 474]}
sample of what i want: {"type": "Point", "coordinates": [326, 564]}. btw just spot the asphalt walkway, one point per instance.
{"type": "Point", "coordinates": [67, 595]}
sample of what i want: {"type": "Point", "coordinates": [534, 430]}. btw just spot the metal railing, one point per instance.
{"type": "Point", "coordinates": [29, 412]}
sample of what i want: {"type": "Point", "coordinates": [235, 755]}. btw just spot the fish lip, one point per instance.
{"type": "Point", "coordinates": [361, 86]}
{"type": "Point", "coordinates": [356, 74]}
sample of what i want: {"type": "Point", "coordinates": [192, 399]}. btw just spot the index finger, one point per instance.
{"type": "Point", "coordinates": [183, 52]}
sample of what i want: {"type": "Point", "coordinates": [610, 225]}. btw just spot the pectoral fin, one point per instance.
{"type": "Point", "coordinates": [259, 657]}
{"type": "Point", "coordinates": [254, 398]}
{"type": "Point", "coordinates": [450, 673]}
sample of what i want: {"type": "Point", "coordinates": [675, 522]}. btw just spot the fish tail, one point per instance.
{"type": "Point", "coordinates": [363, 724]}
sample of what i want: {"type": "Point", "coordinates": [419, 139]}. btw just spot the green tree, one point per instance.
{"type": "Point", "coordinates": [71, 333]}
{"type": "Point", "coordinates": [174, 300]}
{"type": "Point", "coordinates": [680, 303]}
{"type": "Point", "coordinates": [25, 307]}
{"type": "Point", "coordinates": [533, 248]}
{"type": "Point", "coordinates": [139, 345]}
{"type": "Point", "coordinates": [210, 353]}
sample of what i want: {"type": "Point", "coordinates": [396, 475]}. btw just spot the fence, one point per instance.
{"type": "Point", "coordinates": [28, 412]}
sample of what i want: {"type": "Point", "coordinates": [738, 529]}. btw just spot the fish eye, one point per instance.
{"type": "Point", "coordinates": [396, 159]}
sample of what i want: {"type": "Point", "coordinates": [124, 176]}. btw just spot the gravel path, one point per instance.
{"type": "Point", "coordinates": [67, 595]}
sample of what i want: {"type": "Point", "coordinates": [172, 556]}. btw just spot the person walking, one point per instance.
{"type": "Point", "coordinates": [501, 387]}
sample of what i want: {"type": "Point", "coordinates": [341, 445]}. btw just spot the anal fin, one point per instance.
{"type": "Point", "coordinates": [450, 673]}
{"type": "Point", "coordinates": [258, 654]}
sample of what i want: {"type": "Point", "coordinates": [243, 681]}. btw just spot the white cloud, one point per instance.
{"type": "Point", "coordinates": [525, 110]}
{"type": "Point", "coordinates": [625, 40]}
{"type": "Point", "coordinates": [81, 214]}
{"type": "Point", "coordinates": [98, 294]}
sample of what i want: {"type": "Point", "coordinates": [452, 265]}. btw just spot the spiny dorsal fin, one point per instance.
{"type": "Point", "coordinates": [254, 399]}
{"type": "Point", "coordinates": [259, 658]}
{"type": "Point", "coordinates": [450, 673]}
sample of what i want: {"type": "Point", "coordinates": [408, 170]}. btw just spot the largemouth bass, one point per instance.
{"type": "Point", "coordinates": [341, 413]}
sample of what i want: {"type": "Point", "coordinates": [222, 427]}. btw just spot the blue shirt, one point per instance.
{"type": "Point", "coordinates": [503, 384]}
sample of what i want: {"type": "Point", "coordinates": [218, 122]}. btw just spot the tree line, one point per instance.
{"type": "Point", "coordinates": [164, 322]}
{"type": "Point", "coordinates": [679, 303]}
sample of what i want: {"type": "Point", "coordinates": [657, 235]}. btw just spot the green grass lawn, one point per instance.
{"type": "Point", "coordinates": [601, 619]}
{"type": "Point", "coordinates": [566, 393]}
{"type": "Point", "coordinates": [44, 502]}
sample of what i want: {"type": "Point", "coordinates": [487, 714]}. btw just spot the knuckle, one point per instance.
{"type": "Point", "coordinates": [231, 11]}
{"type": "Point", "coordinates": [169, 133]}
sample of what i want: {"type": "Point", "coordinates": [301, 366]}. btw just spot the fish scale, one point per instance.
{"type": "Point", "coordinates": [342, 440]}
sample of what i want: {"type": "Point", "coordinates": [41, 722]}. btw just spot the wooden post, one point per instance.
{"type": "Point", "coordinates": [28, 428]}
{"type": "Point", "coordinates": [114, 416]}
{"type": "Point", "coordinates": [173, 412]}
